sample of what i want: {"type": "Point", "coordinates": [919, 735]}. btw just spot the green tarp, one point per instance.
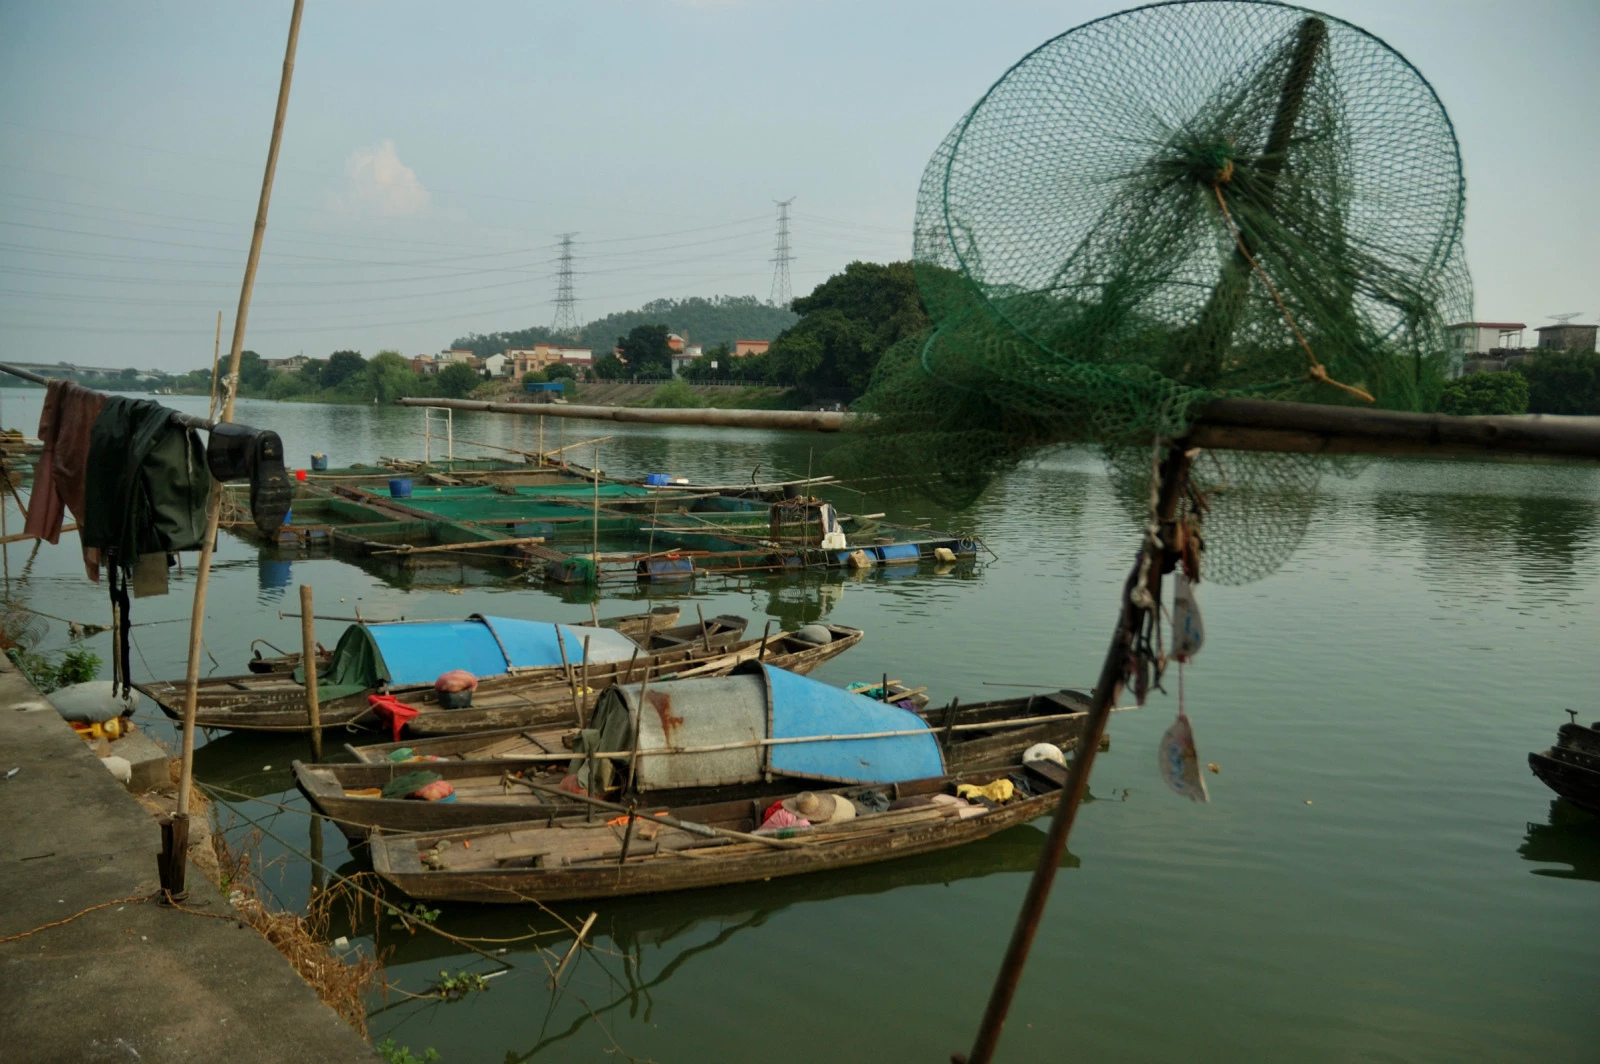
{"type": "Point", "coordinates": [356, 666]}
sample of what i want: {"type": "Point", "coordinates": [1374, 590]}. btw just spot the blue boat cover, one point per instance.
{"type": "Point", "coordinates": [802, 707]}
{"type": "Point", "coordinates": [419, 652]}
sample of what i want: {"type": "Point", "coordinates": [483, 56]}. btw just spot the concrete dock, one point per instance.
{"type": "Point", "coordinates": [135, 981]}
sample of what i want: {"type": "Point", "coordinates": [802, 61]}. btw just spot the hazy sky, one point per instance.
{"type": "Point", "coordinates": [434, 151]}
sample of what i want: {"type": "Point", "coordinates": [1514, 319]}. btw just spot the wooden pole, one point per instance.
{"type": "Point", "coordinates": [595, 469]}
{"type": "Point", "coordinates": [541, 441]}
{"type": "Point", "coordinates": [1146, 567]}
{"type": "Point", "coordinates": [761, 655]}
{"type": "Point", "coordinates": [705, 635]}
{"type": "Point", "coordinates": [566, 667]}
{"type": "Point", "coordinates": [308, 661]}
{"type": "Point", "coordinates": [585, 679]}
{"type": "Point", "coordinates": [214, 507]}
{"type": "Point", "coordinates": [216, 361]}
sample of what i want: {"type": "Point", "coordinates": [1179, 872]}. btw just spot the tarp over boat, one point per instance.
{"type": "Point", "coordinates": [683, 717]}
{"type": "Point", "coordinates": [405, 653]}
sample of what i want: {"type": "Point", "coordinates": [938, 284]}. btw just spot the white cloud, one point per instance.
{"type": "Point", "coordinates": [377, 182]}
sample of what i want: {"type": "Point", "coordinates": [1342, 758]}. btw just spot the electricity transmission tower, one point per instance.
{"type": "Point", "coordinates": [566, 320]}
{"type": "Point", "coordinates": [781, 295]}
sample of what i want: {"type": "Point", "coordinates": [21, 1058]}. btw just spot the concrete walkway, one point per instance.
{"type": "Point", "coordinates": [131, 982]}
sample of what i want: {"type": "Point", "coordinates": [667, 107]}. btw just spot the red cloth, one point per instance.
{"type": "Point", "coordinates": [392, 710]}
{"type": "Point", "coordinates": [60, 478]}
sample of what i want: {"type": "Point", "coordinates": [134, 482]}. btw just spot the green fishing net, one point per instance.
{"type": "Point", "coordinates": [1169, 205]}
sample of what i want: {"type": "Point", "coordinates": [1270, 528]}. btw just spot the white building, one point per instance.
{"type": "Point", "coordinates": [1475, 338]}
{"type": "Point", "coordinates": [495, 365]}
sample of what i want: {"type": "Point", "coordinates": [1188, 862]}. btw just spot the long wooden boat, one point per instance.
{"type": "Point", "coordinates": [525, 698]}
{"type": "Point", "coordinates": [575, 857]}
{"type": "Point", "coordinates": [635, 626]}
{"type": "Point", "coordinates": [490, 789]}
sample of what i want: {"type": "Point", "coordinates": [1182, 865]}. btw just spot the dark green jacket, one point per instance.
{"type": "Point", "coordinates": [147, 482]}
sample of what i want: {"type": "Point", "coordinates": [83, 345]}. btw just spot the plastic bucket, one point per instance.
{"type": "Point", "coordinates": [400, 489]}
{"type": "Point", "coordinates": [657, 479]}
{"type": "Point", "coordinates": [319, 463]}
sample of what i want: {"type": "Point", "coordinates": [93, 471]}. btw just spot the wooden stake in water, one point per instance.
{"type": "Point", "coordinates": [596, 471]}
{"type": "Point", "coordinates": [585, 679]}
{"type": "Point", "coordinates": [308, 661]}
{"type": "Point", "coordinates": [175, 859]}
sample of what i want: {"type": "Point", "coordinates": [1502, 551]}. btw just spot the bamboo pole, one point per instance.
{"type": "Point", "coordinates": [518, 542]}
{"type": "Point", "coordinates": [756, 744]}
{"type": "Point", "coordinates": [703, 830]}
{"type": "Point", "coordinates": [585, 677]}
{"type": "Point", "coordinates": [705, 635]}
{"type": "Point", "coordinates": [178, 838]}
{"type": "Point", "coordinates": [216, 361]}
{"type": "Point", "coordinates": [595, 469]}
{"type": "Point", "coordinates": [566, 667]}
{"type": "Point", "coordinates": [816, 420]}
{"type": "Point", "coordinates": [555, 979]}
{"type": "Point", "coordinates": [308, 661]}
{"type": "Point", "coordinates": [1113, 671]}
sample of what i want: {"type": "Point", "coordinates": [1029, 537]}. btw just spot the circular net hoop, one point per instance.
{"type": "Point", "coordinates": [1172, 204]}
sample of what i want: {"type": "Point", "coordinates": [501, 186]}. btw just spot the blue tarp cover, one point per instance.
{"type": "Point", "coordinates": [802, 706]}
{"type": "Point", "coordinates": [420, 652]}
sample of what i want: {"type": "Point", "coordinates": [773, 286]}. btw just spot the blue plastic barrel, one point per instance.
{"type": "Point", "coordinates": [319, 463]}
{"type": "Point", "coordinates": [897, 553]}
{"type": "Point", "coordinates": [657, 479]}
{"type": "Point", "coordinates": [400, 489]}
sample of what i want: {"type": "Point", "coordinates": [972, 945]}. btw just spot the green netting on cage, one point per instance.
{"type": "Point", "coordinates": [1165, 206]}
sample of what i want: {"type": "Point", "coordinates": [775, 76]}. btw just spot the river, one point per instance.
{"type": "Point", "coordinates": [1378, 876]}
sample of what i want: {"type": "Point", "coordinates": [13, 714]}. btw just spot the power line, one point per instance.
{"type": "Point", "coordinates": [781, 295]}
{"type": "Point", "coordinates": [566, 319]}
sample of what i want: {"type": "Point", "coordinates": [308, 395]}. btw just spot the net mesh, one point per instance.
{"type": "Point", "coordinates": [1169, 205]}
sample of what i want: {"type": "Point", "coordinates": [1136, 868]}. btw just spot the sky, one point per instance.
{"type": "Point", "coordinates": [433, 153]}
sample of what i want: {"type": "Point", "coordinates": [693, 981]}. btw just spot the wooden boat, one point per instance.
{"type": "Point", "coordinates": [491, 787]}
{"type": "Point", "coordinates": [575, 857]}
{"type": "Point", "coordinates": [635, 626]}
{"type": "Point", "coordinates": [524, 698]}
{"type": "Point", "coordinates": [1571, 768]}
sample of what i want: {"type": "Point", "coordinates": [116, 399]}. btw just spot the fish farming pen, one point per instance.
{"type": "Point", "coordinates": [493, 514]}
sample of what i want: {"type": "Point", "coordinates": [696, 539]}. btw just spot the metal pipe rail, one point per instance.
{"type": "Point", "coordinates": [1224, 424]}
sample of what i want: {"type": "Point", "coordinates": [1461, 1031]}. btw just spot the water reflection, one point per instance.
{"type": "Point", "coordinates": [1570, 837]}
{"type": "Point", "coordinates": [1543, 539]}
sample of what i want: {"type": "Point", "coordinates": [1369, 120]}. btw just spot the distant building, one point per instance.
{"type": "Point", "coordinates": [457, 355]}
{"type": "Point", "coordinates": [424, 365]}
{"type": "Point", "coordinates": [539, 357]}
{"type": "Point", "coordinates": [675, 343]}
{"type": "Point", "coordinates": [286, 365]}
{"type": "Point", "coordinates": [751, 347]}
{"type": "Point", "coordinates": [495, 365]}
{"type": "Point", "coordinates": [1476, 338]}
{"type": "Point", "coordinates": [1567, 337]}
{"type": "Point", "coordinates": [693, 351]}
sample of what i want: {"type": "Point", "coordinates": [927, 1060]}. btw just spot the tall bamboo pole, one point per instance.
{"type": "Point", "coordinates": [213, 510]}
{"type": "Point", "coordinates": [216, 360]}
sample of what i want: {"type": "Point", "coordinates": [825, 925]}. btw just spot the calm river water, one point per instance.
{"type": "Point", "coordinates": [1377, 877]}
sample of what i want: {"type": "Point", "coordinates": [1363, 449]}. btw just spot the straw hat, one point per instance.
{"type": "Point", "coordinates": [820, 808]}
{"type": "Point", "coordinates": [1044, 752]}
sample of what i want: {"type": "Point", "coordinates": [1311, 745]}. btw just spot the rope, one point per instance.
{"type": "Point", "coordinates": [1317, 371]}
{"type": "Point", "coordinates": [85, 912]}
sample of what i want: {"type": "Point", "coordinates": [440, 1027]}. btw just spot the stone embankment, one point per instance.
{"type": "Point", "coordinates": [135, 980]}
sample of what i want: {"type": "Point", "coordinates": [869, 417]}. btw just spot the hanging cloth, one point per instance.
{"type": "Point", "coordinates": [60, 479]}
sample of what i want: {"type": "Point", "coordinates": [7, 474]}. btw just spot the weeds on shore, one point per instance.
{"type": "Point", "coordinates": [341, 981]}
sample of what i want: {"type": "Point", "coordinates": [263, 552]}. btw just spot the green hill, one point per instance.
{"type": "Point", "coordinates": [720, 319]}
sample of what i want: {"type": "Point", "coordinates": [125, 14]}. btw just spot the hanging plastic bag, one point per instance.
{"type": "Point", "coordinates": [1179, 764]}
{"type": "Point", "coordinates": [1188, 632]}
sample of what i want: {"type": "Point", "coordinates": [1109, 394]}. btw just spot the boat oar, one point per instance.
{"type": "Point", "coordinates": [690, 826]}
